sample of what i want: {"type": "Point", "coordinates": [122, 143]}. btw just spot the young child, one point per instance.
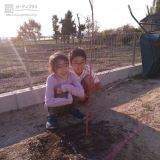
{"type": "Point", "coordinates": [62, 89]}
{"type": "Point", "coordinates": [77, 58]}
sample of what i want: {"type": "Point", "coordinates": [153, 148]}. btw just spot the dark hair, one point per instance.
{"type": "Point", "coordinates": [75, 53]}
{"type": "Point", "coordinates": [53, 61]}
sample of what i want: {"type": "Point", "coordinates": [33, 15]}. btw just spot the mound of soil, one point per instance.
{"type": "Point", "coordinates": [71, 142]}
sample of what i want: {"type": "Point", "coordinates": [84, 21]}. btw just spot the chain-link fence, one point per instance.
{"type": "Point", "coordinates": [24, 63]}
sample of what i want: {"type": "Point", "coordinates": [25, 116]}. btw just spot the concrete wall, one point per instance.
{"type": "Point", "coordinates": [26, 97]}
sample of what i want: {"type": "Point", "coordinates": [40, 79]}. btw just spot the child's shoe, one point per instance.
{"type": "Point", "coordinates": [51, 122]}
{"type": "Point", "coordinates": [77, 114]}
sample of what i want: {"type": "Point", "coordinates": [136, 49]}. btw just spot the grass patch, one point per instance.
{"type": "Point", "coordinates": [147, 106]}
{"type": "Point", "coordinates": [6, 74]}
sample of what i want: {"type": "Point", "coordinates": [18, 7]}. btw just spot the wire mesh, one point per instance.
{"type": "Point", "coordinates": [107, 51]}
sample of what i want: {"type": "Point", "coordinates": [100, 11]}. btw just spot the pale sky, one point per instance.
{"type": "Point", "coordinates": [108, 13]}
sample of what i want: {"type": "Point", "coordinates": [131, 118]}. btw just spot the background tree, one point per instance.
{"type": "Point", "coordinates": [96, 27]}
{"type": "Point", "coordinates": [30, 30]}
{"type": "Point", "coordinates": [68, 26]}
{"type": "Point", "coordinates": [55, 26]}
{"type": "Point", "coordinates": [106, 36]}
{"type": "Point", "coordinates": [88, 25]}
{"type": "Point", "coordinates": [125, 29]}
{"type": "Point", "coordinates": [81, 27]}
{"type": "Point", "coordinates": [108, 32]}
{"type": "Point", "coordinates": [126, 32]}
{"type": "Point", "coordinates": [123, 34]}
{"type": "Point", "coordinates": [155, 8]}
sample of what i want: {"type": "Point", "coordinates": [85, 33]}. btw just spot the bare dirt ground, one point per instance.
{"type": "Point", "coordinates": [124, 124]}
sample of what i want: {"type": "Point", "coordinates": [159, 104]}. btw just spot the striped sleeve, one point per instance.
{"type": "Point", "coordinates": [95, 78]}
{"type": "Point", "coordinates": [93, 74]}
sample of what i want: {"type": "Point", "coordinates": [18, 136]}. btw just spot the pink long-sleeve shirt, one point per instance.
{"type": "Point", "coordinates": [70, 85]}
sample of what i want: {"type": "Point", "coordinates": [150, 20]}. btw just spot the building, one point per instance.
{"type": "Point", "coordinates": [151, 28]}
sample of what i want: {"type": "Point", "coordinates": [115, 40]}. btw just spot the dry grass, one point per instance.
{"type": "Point", "coordinates": [13, 63]}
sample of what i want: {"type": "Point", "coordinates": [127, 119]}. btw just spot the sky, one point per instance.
{"type": "Point", "coordinates": [108, 13]}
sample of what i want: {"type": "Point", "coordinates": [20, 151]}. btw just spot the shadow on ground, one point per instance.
{"type": "Point", "coordinates": [119, 128]}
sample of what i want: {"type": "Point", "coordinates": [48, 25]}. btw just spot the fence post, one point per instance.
{"type": "Point", "coordinates": [27, 65]}
{"type": "Point", "coordinates": [134, 48]}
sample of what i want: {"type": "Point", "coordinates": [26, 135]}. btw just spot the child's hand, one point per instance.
{"type": "Point", "coordinates": [82, 98]}
{"type": "Point", "coordinates": [59, 90]}
{"type": "Point", "coordinates": [70, 98]}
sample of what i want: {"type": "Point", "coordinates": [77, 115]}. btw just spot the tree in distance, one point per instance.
{"type": "Point", "coordinates": [68, 26]}
{"type": "Point", "coordinates": [30, 30]}
{"type": "Point", "coordinates": [155, 8]}
{"type": "Point", "coordinates": [81, 27]}
{"type": "Point", "coordinates": [55, 22]}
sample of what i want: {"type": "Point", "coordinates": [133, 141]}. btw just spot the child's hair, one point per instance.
{"type": "Point", "coordinates": [53, 61]}
{"type": "Point", "coordinates": [75, 53]}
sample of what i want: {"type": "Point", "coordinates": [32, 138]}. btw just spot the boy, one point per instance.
{"type": "Point", "coordinates": [77, 58]}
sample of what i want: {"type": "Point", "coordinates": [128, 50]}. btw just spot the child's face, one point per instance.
{"type": "Point", "coordinates": [78, 64]}
{"type": "Point", "coordinates": [62, 69]}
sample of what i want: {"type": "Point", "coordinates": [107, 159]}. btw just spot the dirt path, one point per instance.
{"type": "Point", "coordinates": [124, 124]}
